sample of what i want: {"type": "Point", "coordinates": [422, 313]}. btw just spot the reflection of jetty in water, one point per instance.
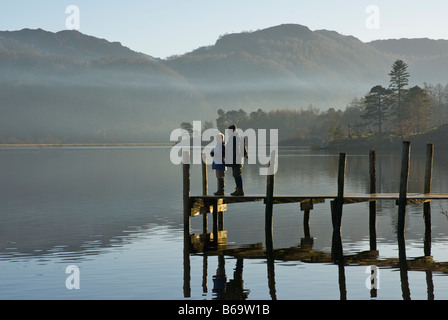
{"type": "Point", "coordinates": [207, 246]}
{"type": "Point", "coordinates": [210, 245]}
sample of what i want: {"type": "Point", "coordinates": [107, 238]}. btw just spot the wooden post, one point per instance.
{"type": "Point", "coordinates": [220, 221]}
{"type": "Point", "coordinates": [372, 204]}
{"type": "Point", "coordinates": [215, 223]}
{"type": "Point", "coordinates": [269, 226]}
{"type": "Point", "coordinates": [336, 213]}
{"type": "Point", "coordinates": [427, 205]}
{"type": "Point", "coordinates": [270, 261]}
{"type": "Point", "coordinates": [204, 193]}
{"type": "Point", "coordinates": [404, 176]}
{"type": "Point", "coordinates": [306, 223]}
{"type": "Point", "coordinates": [403, 265]}
{"type": "Point", "coordinates": [204, 273]}
{"type": "Point", "coordinates": [428, 169]}
{"type": "Point", "coordinates": [187, 272]}
{"type": "Point", "coordinates": [270, 202]}
{"type": "Point", "coordinates": [339, 201]}
{"type": "Point", "coordinates": [341, 175]}
{"type": "Point", "coordinates": [205, 223]}
{"type": "Point", "coordinates": [306, 208]}
{"type": "Point", "coordinates": [187, 220]}
{"type": "Point", "coordinates": [204, 177]}
{"type": "Point", "coordinates": [186, 193]}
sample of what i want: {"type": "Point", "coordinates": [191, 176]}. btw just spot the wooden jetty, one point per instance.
{"type": "Point", "coordinates": [203, 204]}
{"type": "Point", "coordinates": [215, 242]}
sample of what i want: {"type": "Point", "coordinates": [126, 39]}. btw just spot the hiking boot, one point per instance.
{"type": "Point", "coordinates": [238, 192]}
{"type": "Point", "coordinates": [220, 191]}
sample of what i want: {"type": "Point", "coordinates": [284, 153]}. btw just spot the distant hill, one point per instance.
{"type": "Point", "coordinates": [67, 43]}
{"type": "Point", "coordinates": [72, 87]}
{"type": "Point", "coordinates": [290, 66]}
{"type": "Point", "coordinates": [69, 87]}
{"type": "Point", "coordinates": [413, 49]}
{"type": "Point", "coordinates": [287, 66]}
{"type": "Point", "coordinates": [427, 58]}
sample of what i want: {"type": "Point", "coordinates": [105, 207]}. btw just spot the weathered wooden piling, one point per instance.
{"type": "Point", "coordinates": [427, 204]}
{"type": "Point", "coordinates": [204, 193]}
{"type": "Point", "coordinates": [187, 222]}
{"type": "Point", "coordinates": [218, 221]}
{"type": "Point", "coordinates": [428, 167]}
{"type": "Point", "coordinates": [269, 201]}
{"type": "Point", "coordinates": [338, 203]}
{"type": "Point", "coordinates": [215, 223]}
{"type": "Point", "coordinates": [372, 204]}
{"type": "Point", "coordinates": [204, 176]}
{"type": "Point", "coordinates": [186, 193]}
{"type": "Point", "coordinates": [404, 177]}
{"type": "Point", "coordinates": [306, 207]}
{"type": "Point", "coordinates": [336, 212]}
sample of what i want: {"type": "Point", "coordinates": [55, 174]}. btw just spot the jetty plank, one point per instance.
{"type": "Point", "coordinates": [201, 204]}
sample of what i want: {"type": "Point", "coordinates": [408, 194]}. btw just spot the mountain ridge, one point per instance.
{"type": "Point", "coordinates": [115, 93]}
{"type": "Point", "coordinates": [70, 43]}
{"type": "Point", "coordinates": [323, 68]}
{"type": "Point", "coordinates": [70, 87]}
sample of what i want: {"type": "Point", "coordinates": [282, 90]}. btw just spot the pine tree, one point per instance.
{"type": "Point", "coordinates": [399, 79]}
{"type": "Point", "coordinates": [377, 106]}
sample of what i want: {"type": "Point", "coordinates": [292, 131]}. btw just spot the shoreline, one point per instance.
{"type": "Point", "coordinates": [55, 145]}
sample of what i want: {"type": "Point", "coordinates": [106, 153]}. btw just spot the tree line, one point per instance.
{"type": "Point", "coordinates": [405, 110]}
{"type": "Point", "coordinates": [394, 110]}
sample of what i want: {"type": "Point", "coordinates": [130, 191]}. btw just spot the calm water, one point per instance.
{"type": "Point", "coordinates": [116, 214]}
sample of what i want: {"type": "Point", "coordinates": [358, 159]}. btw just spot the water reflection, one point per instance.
{"type": "Point", "coordinates": [232, 289]}
{"type": "Point", "coordinates": [82, 200]}
{"type": "Point", "coordinates": [304, 252]}
{"type": "Point", "coordinates": [73, 204]}
{"type": "Point", "coordinates": [87, 199]}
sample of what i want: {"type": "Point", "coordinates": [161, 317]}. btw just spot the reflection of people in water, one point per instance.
{"type": "Point", "coordinates": [218, 154]}
{"type": "Point", "coordinates": [219, 280]}
{"type": "Point", "coordinates": [232, 290]}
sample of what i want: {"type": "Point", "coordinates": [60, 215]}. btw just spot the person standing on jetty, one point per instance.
{"type": "Point", "coordinates": [218, 154]}
{"type": "Point", "coordinates": [236, 151]}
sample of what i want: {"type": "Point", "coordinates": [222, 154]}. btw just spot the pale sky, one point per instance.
{"type": "Point", "coordinates": [167, 27]}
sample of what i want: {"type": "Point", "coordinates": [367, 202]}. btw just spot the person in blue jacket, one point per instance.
{"type": "Point", "coordinates": [218, 154]}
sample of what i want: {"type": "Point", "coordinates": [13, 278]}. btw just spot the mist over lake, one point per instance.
{"type": "Point", "coordinates": [127, 238]}
{"type": "Point", "coordinates": [93, 97]}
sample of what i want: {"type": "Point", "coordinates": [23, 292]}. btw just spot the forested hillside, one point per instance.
{"type": "Point", "coordinates": [384, 115]}
{"type": "Point", "coordinates": [287, 66]}
{"type": "Point", "coordinates": [69, 87]}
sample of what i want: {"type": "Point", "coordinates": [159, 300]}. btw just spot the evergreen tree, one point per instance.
{"type": "Point", "coordinates": [399, 79]}
{"type": "Point", "coordinates": [377, 106]}
{"type": "Point", "coordinates": [419, 106]}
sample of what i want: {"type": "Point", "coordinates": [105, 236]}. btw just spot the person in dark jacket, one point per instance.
{"type": "Point", "coordinates": [235, 159]}
{"type": "Point", "coordinates": [218, 154]}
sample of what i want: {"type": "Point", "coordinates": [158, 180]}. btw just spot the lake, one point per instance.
{"type": "Point", "coordinates": [115, 215]}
